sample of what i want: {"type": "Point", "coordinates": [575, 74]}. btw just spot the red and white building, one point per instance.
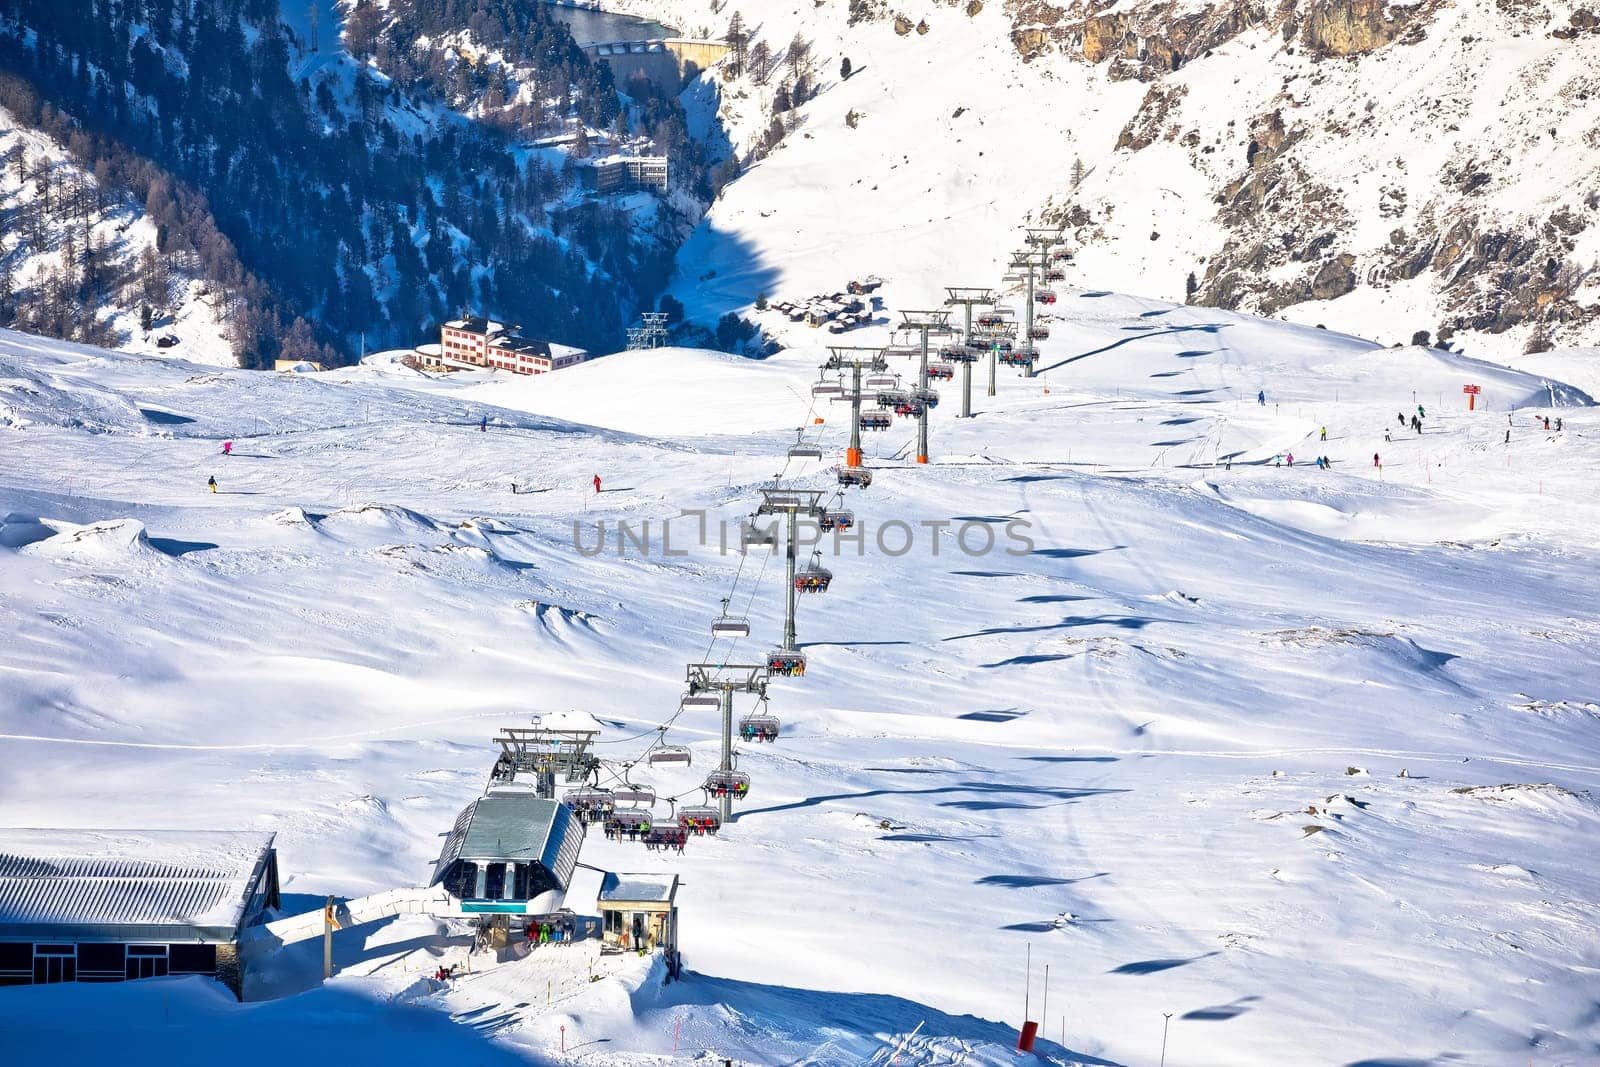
{"type": "Point", "coordinates": [475, 343]}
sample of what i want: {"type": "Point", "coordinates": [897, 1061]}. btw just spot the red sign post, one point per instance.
{"type": "Point", "coordinates": [1472, 392]}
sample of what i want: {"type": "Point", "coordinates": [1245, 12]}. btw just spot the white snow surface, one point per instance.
{"type": "Point", "coordinates": [1306, 758]}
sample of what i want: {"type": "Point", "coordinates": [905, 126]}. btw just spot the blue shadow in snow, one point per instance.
{"type": "Point", "coordinates": [171, 546]}
{"type": "Point", "coordinates": [1154, 966]}
{"type": "Point", "coordinates": [1166, 374]}
{"type": "Point", "coordinates": [996, 715]}
{"type": "Point", "coordinates": [1023, 661]}
{"type": "Point", "coordinates": [1029, 881]}
{"type": "Point", "coordinates": [1054, 598]}
{"type": "Point", "coordinates": [164, 418]}
{"type": "Point", "coordinates": [993, 788]}
{"type": "Point", "coordinates": [1199, 327]}
{"type": "Point", "coordinates": [1071, 759]}
{"type": "Point", "coordinates": [1221, 1012]}
{"type": "Point", "coordinates": [1073, 553]}
{"type": "Point", "coordinates": [1071, 622]}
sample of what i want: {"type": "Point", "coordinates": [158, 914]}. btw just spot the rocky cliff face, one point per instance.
{"type": "Point", "coordinates": [1434, 162]}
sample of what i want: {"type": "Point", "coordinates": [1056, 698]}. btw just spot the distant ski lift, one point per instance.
{"type": "Point", "coordinates": [804, 452]}
{"type": "Point", "coordinates": [1022, 357]}
{"type": "Point", "coordinates": [735, 784]}
{"type": "Point", "coordinates": [858, 476]}
{"type": "Point", "coordinates": [700, 821]}
{"type": "Point", "coordinates": [759, 728]}
{"type": "Point", "coordinates": [927, 397]}
{"type": "Point", "coordinates": [812, 578]}
{"type": "Point", "coordinates": [876, 420]}
{"type": "Point", "coordinates": [786, 663]}
{"type": "Point", "coordinates": [753, 536]}
{"type": "Point", "coordinates": [1055, 274]}
{"type": "Point", "coordinates": [941, 371]}
{"type": "Point", "coordinates": [958, 353]}
{"type": "Point", "coordinates": [891, 398]}
{"type": "Point", "coordinates": [882, 381]}
{"type": "Point", "coordinates": [669, 754]}
{"type": "Point", "coordinates": [1060, 255]}
{"type": "Point", "coordinates": [634, 794]}
{"type": "Point", "coordinates": [1044, 296]}
{"type": "Point", "coordinates": [1040, 333]}
{"type": "Point", "coordinates": [826, 389]}
{"type": "Point", "coordinates": [909, 408]}
{"type": "Point", "coordinates": [837, 520]}
{"type": "Point", "coordinates": [700, 700]}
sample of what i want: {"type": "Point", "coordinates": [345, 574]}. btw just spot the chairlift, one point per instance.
{"type": "Point", "coordinates": [943, 372]}
{"type": "Point", "coordinates": [759, 728]}
{"type": "Point", "coordinates": [959, 353]}
{"type": "Point", "coordinates": [726, 627]}
{"type": "Point", "coordinates": [735, 784]}
{"type": "Point", "coordinates": [812, 578]}
{"type": "Point", "coordinates": [754, 536]}
{"type": "Point", "coordinates": [909, 408]}
{"type": "Point", "coordinates": [666, 837]}
{"type": "Point", "coordinates": [1055, 274]}
{"type": "Point", "coordinates": [826, 389]}
{"type": "Point", "coordinates": [700, 700]}
{"type": "Point", "coordinates": [1022, 357]}
{"type": "Point", "coordinates": [629, 822]}
{"type": "Point", "coordinates": [876, 420]}
{"type": "Point", "coordinates": [1044, 296]}
{"type": "Point", "coordinates": [669, 754]}
{"type": "Point", "coordinates": [882, 381]}
{"type": "Point", "coordinates": [927, 397]}
{"type": "Point", "coordinates": [1060, 255]}
{"type": "Point", "coordinates": [700, 821]}
{"type": "Point", "coordinates": [786, 663]}
{"type": "Point", "coordinates": [891, 398]}
{"type": "Point", "coordinates": [857, 476]}
{"type": "Point", "coordinates": [588, 804]}
{"type": "Point", "coordinates": [837, 520]}
{"type": "Point", "coordinates": [1040, 333]}
{"type": "Point", "coordinates": [634, 794]}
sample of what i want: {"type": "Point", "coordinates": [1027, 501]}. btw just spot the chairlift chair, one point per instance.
{"type": "Point", "coordinates": [726, 627]}
{"type": "Point", "coordinates": [634, 794]}
{"type": "Point", "coordinates": [700, 700]}
{"type": "Point", "coordinates": [812, 578]}
{"type": "Point", "coordinates": [826, 389]}
{"type": "Point", "coordinates": [1055, 274]}
{"type": "Point", "coordinates": [857, 476]}
{"type": "Point", "coordinates": [735, 784]}
{"type": "Point", "coordinates": [669, 754]}
{"type": "Point", "coordinates": [837, 520]}
{"type": "Point", "coordinates": [882, 381]}
{"type": "Point", "coordinates": [943, 372]}
{"type": "Point", "coordinates": [891, 398]}
{"type": "Point", "coordinates": [759, 727]}
{"type": "Point", "coordinates": [959, 353]}
{"type": "Point", "coordinates": [700, 821]}
{"type": "Point", "coordinates": [629, 823]}
{"type": "Point", "coordinates": [754, 536]}
{"type": "Point", "coordinates": [926, 397]}
{"type": "Point", "coordinates": [666, 837]}
{"type": "Point", "coordinates": [876, 420]}
{"type": "Point", "coordinates": [1040, 333]}
{"type": "Point", "coordinates": [1060, 255]}
{"type": "Point", "coordinates": [786, 663]}
{"type": "Point", "coordinates": [1044, 296]}
{"type": "Point", "coordinates": [589, 804]}
{"type": "Point", "coordinates": [804, 452]}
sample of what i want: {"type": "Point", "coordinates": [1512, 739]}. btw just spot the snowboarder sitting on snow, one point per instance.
{"type": "Point", "coordinates": [211, 482]}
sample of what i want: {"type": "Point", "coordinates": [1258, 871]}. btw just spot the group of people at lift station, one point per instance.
{"type": "Point", "coordinates": [563, 931]}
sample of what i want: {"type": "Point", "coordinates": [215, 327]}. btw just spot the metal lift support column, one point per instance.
{"type": "Point", "coordinates": [856, 359]}
{"type": "Point", "coordinates": [925, 322]}
{"type": "Point", "coordinates": [727, 679]}
{"type": "Point", "coordinates": [793, 503]}
{"type": "Point", "coordinates": [969, 297]}
{"type": "Point", "coordinates": [1039, 241]}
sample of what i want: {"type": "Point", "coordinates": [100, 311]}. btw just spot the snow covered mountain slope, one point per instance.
{"type": "Point", "coordinates": [1304, 757]}
{"type": "Point", "coordinates": [53, 207]}
{"type": "Point", "coordinates": [1384, 168]}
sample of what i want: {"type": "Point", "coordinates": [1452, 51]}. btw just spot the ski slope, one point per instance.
{"type": "Point", "coordinates": [1306, 758]}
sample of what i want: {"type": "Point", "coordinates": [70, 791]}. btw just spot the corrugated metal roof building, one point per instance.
{"type": "Point", "coordinates": [510, 853]}
{"type": "Point", "coordinates": [109, 905]}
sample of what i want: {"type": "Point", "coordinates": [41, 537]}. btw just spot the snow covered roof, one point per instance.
{"type": "Point", "coordinates": [638, 888]}
{"type": "Point", "coordinates": [168, 884]}
{"type": "Point", "coordinates": [514, 827]}
{"type": "Point", "coordinates": [568, 721]}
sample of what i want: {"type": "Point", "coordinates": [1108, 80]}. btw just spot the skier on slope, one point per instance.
{"type": "Point", "coordinates": [1401, 416]}
{"type": "Point", "coordinates": [1290, 459]}
{"type": "Point", "coordinates": [483, 424]}
{"type": "Point", "coordinates": [1261, 397]}
{"type": "Point", "coordinates": [1324, 433]}
{"type": "Point", "coordinates": [227, 448]}
{"type": "Point", "coordinates": [1375, 462]}
{"type": "Point", "coordinates": [211, 483]}
{"type": "Point", "coordinates": [597, 483]}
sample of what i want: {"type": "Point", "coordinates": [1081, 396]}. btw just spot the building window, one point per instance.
{"type": "Point", "coordinates": [192, 959]}
{"type": "Point", "coordinates": [54, 963]}
{"type": "Point", "coordinates": [100, 963]}
{"type": "Point", "coordinates": [147, 961]}
{"type": "Point", "coordinates": [16, 963]}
